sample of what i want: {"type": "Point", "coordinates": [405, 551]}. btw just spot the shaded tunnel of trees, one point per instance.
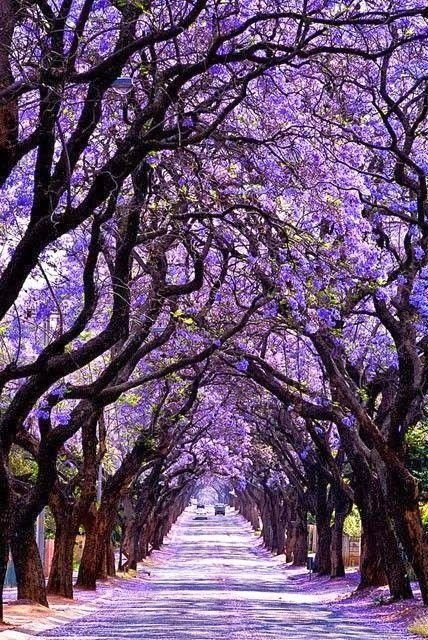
{"type": "Point", "coordinates": [213, 271]}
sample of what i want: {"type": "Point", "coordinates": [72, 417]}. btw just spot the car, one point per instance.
{"type": "Point", "coordinates": [200, 505]}
{"type": "Point", "coordinates": [220, 509]}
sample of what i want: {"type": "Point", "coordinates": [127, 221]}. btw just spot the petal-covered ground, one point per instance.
{"type": "Point", "coordinates": [212, 581]}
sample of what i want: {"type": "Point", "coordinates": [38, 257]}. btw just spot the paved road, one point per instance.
{"type": "Point", "coordinates": [213, 582]}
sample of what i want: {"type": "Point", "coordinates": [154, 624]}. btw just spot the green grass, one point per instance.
{"type": "Point", "coordinates": [131, 573]}
{"type": "Point", "coordinates": [420, 627]}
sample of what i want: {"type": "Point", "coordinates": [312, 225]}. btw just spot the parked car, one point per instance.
{"type": "Point", "coordinates": [220, 509]}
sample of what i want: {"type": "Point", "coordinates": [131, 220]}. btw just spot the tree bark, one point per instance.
{"type": "Point", "coordinates": [4, 525]}
{"type": "Point", "coordinates": [248, 510]}
{"type": "Point", "coordinates": [290, 541]}
{"type": "Point", "coordinates": [380, 553]}
{"type": "Point", "coordinates": [61, 573]}
{"type": "Point", "coordinates": [402, 500]}
{"type": "Point", "coordinates": [87, 575]}
{"type": "Point", "coordinates": [300, 550]}
{"type": "Point", "coordinates": [323, 512]}
{"type": "Point", "coordinates": [342, 508]}
{"type": "Point", "coordinates": [9, 111]}
{"type": "Point", "coordinates": [106, 560]}
{"type": "Point", "coordinates": [28, 566]}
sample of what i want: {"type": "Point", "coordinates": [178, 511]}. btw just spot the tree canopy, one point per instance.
{"type": "Point", "coordinates": [214, 270]}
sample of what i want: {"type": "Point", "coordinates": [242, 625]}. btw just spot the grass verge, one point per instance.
{"type": "Point", "coordinates": [420, 627]}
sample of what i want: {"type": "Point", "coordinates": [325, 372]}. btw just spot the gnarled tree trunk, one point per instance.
{"type": "Point", "coordinates": [300, 550]}
{"type": "Point", "coordinates": [323, 513]}
{"type": "Point", "coordinates": [28, 566]}
{"type": "Point", "coordinates": [9, 111]}
{"type": "Point", "coordinates": [403, 504]}
{"type": "Point", "coordinates": [4, 525]}
{"type": "Point", "coordinates": [87, 575]}
{"type": "Point", "coordinates": [61, 572]}
{"type": "Point", "coordinates": [342, 508]}
{"type": "Point", "coordinates": [380, 553]}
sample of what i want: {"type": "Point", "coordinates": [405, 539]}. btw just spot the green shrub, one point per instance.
{"type": "Point", "coordinates": [420, 627]}
{"type": "Point", "coordinates": [417, 455]}
{"type": "Point", "coordinates": [424, 514]}
{"type": "Point", "coordinates": [352, 526]}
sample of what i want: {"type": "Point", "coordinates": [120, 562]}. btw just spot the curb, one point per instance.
{"type": "Point", "coordinates": [28, 630]}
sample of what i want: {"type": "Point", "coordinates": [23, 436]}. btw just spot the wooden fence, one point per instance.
{"type": "Point", "coordinates": [351, 547]}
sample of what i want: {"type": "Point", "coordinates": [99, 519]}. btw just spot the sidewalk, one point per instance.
{"type": "Point", "coordinates": [26, 620]}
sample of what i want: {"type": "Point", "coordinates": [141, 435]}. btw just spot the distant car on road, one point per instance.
{"type": "Point", "coordinates": [200, 505]}
{"type": "Point", "coordinates": [220, 509]}
{"type": "Point", "coordinates": [201, 513]}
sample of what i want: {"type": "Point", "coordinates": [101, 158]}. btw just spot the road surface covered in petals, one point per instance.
{"type": "Point", "coordinates": [212, 581]}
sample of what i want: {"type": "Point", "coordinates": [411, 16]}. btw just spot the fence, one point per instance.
{"type": "Point", "coordinates": [351, 547]}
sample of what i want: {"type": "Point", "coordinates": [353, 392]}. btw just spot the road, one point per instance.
{"type": "Point", "coordinates": [212, 581]}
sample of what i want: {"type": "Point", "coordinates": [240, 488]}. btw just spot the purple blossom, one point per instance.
{"type": "Point", "coordinates": [62, 418]}
{"type": "Point", "coordinates": [328, 316]}
{"type": "Point", "coordinates": [419, 253]}
{"type": "Point", "coordinates": [59, 391]}
{"type": "Point", "coordinates": [43, 413]}
{"type": "Point", "coordinates": [44, 311]}
{"type": "Point", "coordinates": [381, 295]}
{"type": "Point", "coordinates": [349, 421]}
{"type": "Point", "coordinates": [271, 309]}
{"type": "Point", "coordinates": [242, 365]}
{"type": "Point", "coordinates": [24, 200]}
{"type": "Point", "coordinates": [304, 454]}
{"type": "Point", "coordinates": [215, 70]}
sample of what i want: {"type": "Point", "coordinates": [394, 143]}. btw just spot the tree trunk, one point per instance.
{"type": "Point", "coordinates": [380, 552]}
{"type": "Point", "coordinates": [145, 539]}
{"type": "Point", "coordinates": [279, 523]}
{"type": "Point", "coordinates": [372, 566]}
{"type": "Point", "coordinates": [290, 541]}
{"type": "Point", "coordinates": [336, 551]}
{"type": "Point", "coordinates": [248, 510]}
{"type": "Point", "coordinates": [9, 111]}
{"type": "Point", "coordinates": [4, 556]}
{"type": "Point", "coordinates": [96, 562]}
{"type": "Point", "coordinates": [323, 512]}
{"type": "Point", "coordinates": [267, 531]}
{"type": "Point", "coordinates": [28, 566]}
{"type": "Point", "coordinates": [61, 574]}
{"type": "Point", "coordinates": [134, 553]}
{"type": "Point", "coordinates": [5, 524]}
{"type": "Point", "coordinates": [110, 561]}
{"type": "Point", "coordinates": [87, 575]}
{"type": "Point", "coordinates": [158, 533]}
{"type": "Point", "coordinates": [300, 551]}
{"type": "Point", "coordinates": [404, 506]}
{"type": "Point", "coordinates": [105, 553]}
{"type": "Point", "coordinates": [106, 560]}
{"type": "Point", "coordinates": [342, 508]}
